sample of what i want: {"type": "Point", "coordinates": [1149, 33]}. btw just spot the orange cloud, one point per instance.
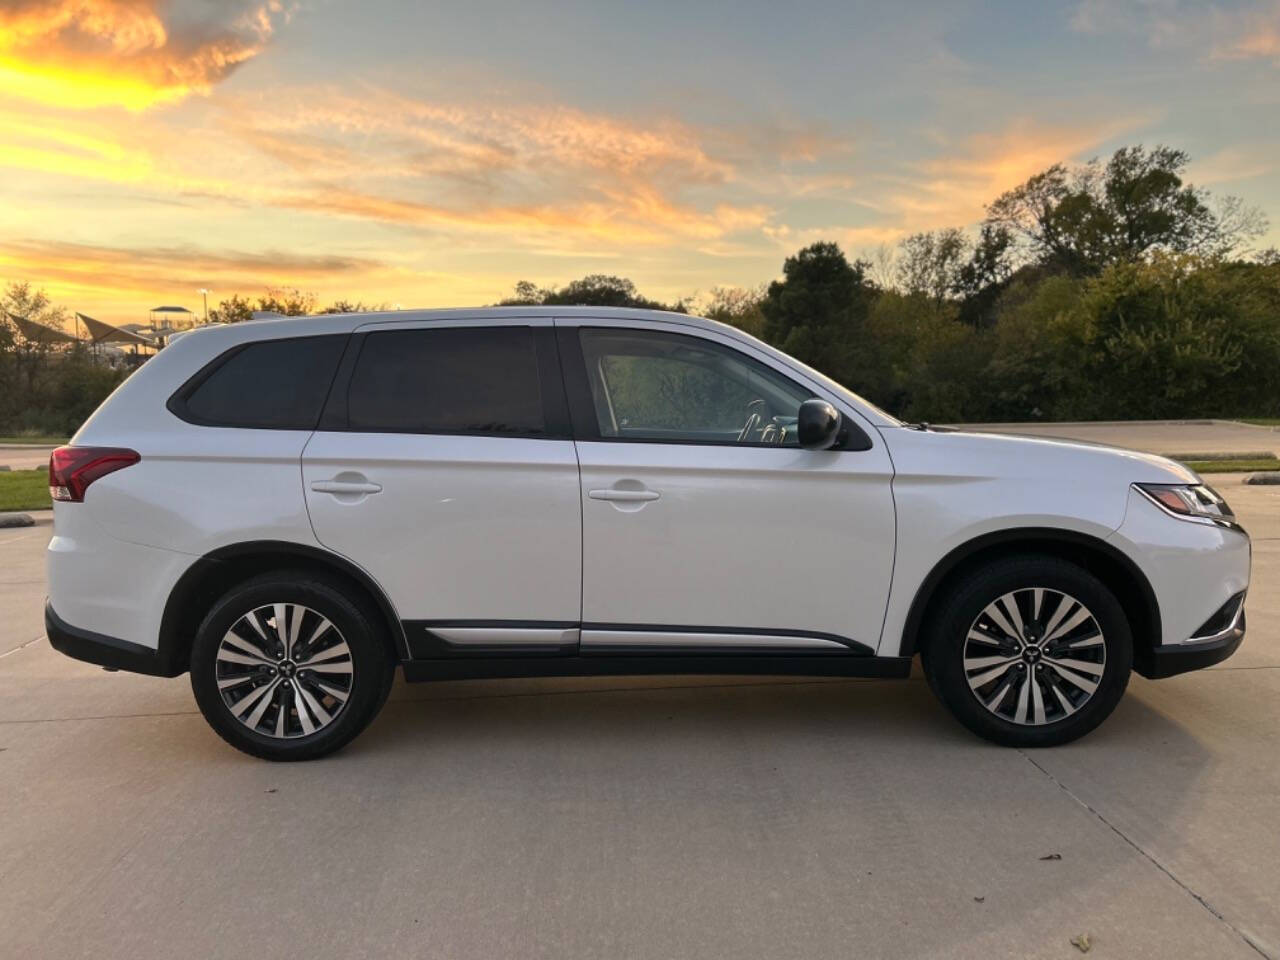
{"type": "Point", "coordinates": [953, 188]}
{"type": "Point", "coordinates": [85, 54]}
{"type": "Point", "coordinates": [120, 284]}
{"type": "Point", "coordinates": [93, 267]}
{"type": "Point", "coordinates": [479, 137]}
{"type": "Point", "coordinates": [530, 172]}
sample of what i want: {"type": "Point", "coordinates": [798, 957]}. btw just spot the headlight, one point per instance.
{"type": "Point", "coordinates": [1198, 502]}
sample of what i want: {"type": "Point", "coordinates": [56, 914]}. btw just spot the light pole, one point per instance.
{"type": "Point", "coordinates": [205, 293]}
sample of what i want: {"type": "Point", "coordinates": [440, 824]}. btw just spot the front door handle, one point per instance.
{"type": "Point", "coordinates": [346, 486]}
{"type": "Point", "coordinates": [623, 496]}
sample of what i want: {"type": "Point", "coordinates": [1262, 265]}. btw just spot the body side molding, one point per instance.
{"type": "Point", "coordinates": [486, 639]}
{"type": "Point", "coordinates": [466, 668]}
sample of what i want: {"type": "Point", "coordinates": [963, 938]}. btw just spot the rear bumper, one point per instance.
{"type": "Point", "coordinates": [1168, 660]}
{"type": "Point", "coordinates": [105, 651]}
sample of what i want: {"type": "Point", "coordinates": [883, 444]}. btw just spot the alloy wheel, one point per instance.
{"type": "Point", "coordinates": [1034, 656]}
{"type": "Point", "coordinates": [284, 671]}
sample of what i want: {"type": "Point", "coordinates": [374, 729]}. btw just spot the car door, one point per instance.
{"type": "Point", "coordinates": [706, 528]}
{"type": "Point", "coordinates": [444, 467]}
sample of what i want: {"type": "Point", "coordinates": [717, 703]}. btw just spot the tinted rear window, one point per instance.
{"type": "Point", "coordinates": [452, 380]}
{"type": "Point", "coordinates": [274, 384]}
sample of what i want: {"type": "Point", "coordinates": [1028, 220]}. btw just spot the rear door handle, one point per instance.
{"type": "Point", "coordinates": [624, 496]}
{"type": "Point", "coordinates": [345, 486]}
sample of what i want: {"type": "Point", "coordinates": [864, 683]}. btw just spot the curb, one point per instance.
{"type": "Point", "coordinates": [1223, 455]}
{"type": "Point", "coordinates": [16, 520]}
{"type": "Point", "coordinates": [1115, 423]}
{"type": "Point", "coordinates": [1269, 477]}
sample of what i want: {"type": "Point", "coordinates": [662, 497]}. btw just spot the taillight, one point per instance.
{"type": "Point", "coordinates": [72, 469]}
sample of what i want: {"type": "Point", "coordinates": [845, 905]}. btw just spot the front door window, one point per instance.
{"type": "Point", "coordinates": [680, 389]}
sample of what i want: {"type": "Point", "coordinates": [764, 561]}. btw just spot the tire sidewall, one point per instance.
{"type": "Point", "coordinates": [944, 664]}
{"type": "Point", "coordinates": [371, 663]}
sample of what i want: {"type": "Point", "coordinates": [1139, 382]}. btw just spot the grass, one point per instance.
{"type": "Point", "coordinates": [36, 440]}
{"type": "Point", "coordinates": [24, 490]}
{"type": "Point", "coordinates": [1261, 421]}
{"type": "Point", "coordinates": [1232, 466]}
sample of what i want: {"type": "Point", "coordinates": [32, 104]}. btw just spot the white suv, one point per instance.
{"type": "Point", "coordinates": [289, 508]}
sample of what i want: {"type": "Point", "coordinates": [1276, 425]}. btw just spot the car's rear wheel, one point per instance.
{"type": "Point", "coordinates": [288, 666]}
{"type": "Point", "coordinates": [1029, 651]}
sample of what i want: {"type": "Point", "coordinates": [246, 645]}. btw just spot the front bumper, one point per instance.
{"type": "Point", "coordinates": [103, 650]}
{"type": "Point", "coordinates": [1170, 659]}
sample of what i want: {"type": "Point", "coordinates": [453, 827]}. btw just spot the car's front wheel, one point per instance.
{"type": "Point", "coordinates": [1029, 651]}
{"type": "Point", "coordinates": [288, 666]}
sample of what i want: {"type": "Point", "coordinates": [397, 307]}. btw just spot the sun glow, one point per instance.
{"type": "Point", "coordinates": [88, 89]}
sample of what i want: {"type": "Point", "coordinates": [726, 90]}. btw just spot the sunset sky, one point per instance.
{"type": "Point", "coordinates": [431, 154]}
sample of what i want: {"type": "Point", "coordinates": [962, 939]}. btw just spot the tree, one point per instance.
{"type": "Point", "coordinates": [1039, 337]}
{"type": "Point", "coordinates": [593, 290]}
{"type": "Point", "coordinates": [882, 265]}
{"type": "Point", "coordinates": [737, 306]}
{"type": "Point", "coordinates": [1182, 336]}
{"type": "Point", "coordinates": [1081, 220]}
{"type": "Point", "coordinates": [359, 306]}
{"type": "Point", "coordinates": [817, 312]}
{"type": "Point", "coordinates": [20, 300]}
{"type": "Point", "coordinates": [29, 356]}
{"type": "Point", "coordinates": [929, 264]}
{"type": "Point", "coordinates": [235, 310]}
{"type": "Point", "coordinates": [288, 302]}
{"type": "Point", "coordinates": [527, 294]}
{"type": "Point", "coordinates": [46, 388]}
{"type": "Point", "coordinates": [978, 283]}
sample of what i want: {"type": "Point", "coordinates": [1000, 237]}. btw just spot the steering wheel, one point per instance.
{"type": "Point", "coordinates": [753, 420]}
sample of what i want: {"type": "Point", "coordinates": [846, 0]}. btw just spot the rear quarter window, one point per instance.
{"type": "Point", "coordinates": [269, 385]}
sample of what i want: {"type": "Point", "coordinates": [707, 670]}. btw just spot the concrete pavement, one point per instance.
{"type": "Point", "coordinates": [24, 456]}
{"type": "Point", "coordinates": [1154, 436]}
{"type": "Point", "coordinates": [638, 817]}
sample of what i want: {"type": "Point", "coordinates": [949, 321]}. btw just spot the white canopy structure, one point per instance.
{"type": "Point", "coordinates": [101, 332]}
{"type": "Point", "coordinates": [40, 332]}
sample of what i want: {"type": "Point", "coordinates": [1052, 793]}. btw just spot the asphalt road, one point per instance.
{"type": "Point", "coordinates": [640, 818]}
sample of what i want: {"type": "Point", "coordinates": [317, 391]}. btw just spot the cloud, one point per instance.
{"type": "Point", "coordinates": [81, 268]}
{"type": "Point", "coordinates": [84, 54]}
{"type": "Point", "coordinates": [120, 284]}
{"type": "Point", "coordinates": [538, 178]}
{"type": "Point", "coordinates": [488, 137]}
{"type": "Point", "coordinates": [539, 173]}
{"type": "Point", "coordinates": [953, 187]}
{"type": "Point", "coordinates": [1235, 163]}
{"type": "Point", "coordinates": [1247, 32]}
{"type": "Point", "coordinates": [1250, 34]}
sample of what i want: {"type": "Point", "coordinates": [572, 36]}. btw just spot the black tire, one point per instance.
{"type": "Point", "coordinates": [372, 664]}
{"type": "Point", "coordinates": [968, 599]}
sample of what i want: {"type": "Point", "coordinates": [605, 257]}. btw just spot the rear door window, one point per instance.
{"type": "Point", "coordinates": [468, 380]}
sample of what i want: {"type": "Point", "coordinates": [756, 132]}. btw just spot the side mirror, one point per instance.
{"type": "Point", "coordinates": [818, 425]}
